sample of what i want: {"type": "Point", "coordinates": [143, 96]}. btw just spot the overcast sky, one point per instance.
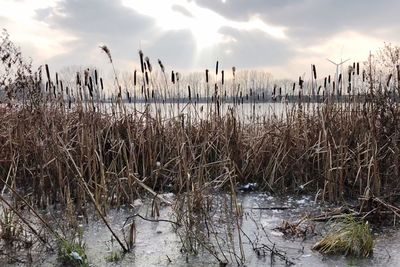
{"type": "Point", "coordinates": [283, 37]}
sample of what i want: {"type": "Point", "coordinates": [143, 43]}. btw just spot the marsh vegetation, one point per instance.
{"type": "Point", "coordinates": [70, 146]}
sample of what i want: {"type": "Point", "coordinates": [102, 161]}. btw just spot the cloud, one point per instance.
{"type": "Point", "coordinates": [314, 19]}
{"type": "Point", "coordinates": [247, 49]}
{"type": "Point", "coordinates": [94, 22]}
{"type": "Point", "coordinates": [283, 36]}
{"type": "Point", "coordinates": [182, 10]}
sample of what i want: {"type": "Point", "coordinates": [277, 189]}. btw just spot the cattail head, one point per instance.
{"type": "Point", "coordinates": [301, 82]}
{"type": "Point", "coordinates": [206, 75]}
{"type": "Point", "coordinates": [148, 64]}
{"type": "Point", "coordinates": [222, 77]}
{"type": "Point", "coordinates": [95, 77]}
{"type": "Point", "coordinates": [314, 72]}
{"type": "Point", "coordinates": [106, 50]}
{"type": "Point", "coordinates": [173, 77]}
{"type": "Point", "coordinates": [161, 65]}
{"type": "Point", "coordinates": [134, 78]}
{"type": "Point", "coordinates": [147, 77]}
{"type": "Point", "coordinates": [141, 60]}
{"type": "Point", "coordinates": [216, 68]}
{"type": "Point", "coordinates": [78, 79]}
{"type": "Point", "coordinates": [86, 75]}
{"type": "Point", "coordinates": [294, 86]}
{"type": "Point", "coordinates": [47, 72]}
{"type": "Point", "coordinates": [388, 80]}
{"type": "Point", "coordinates": [358, 68]}
{"type": "Point", "coordinates": [233, 71]}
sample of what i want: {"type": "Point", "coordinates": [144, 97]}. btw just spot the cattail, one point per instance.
{"type": "Point", "coordinates": [161, 65]}
{"type": "Point", "coordinates": [274, 90]}
{"type": "Point", "coordinates": [147, 77]}
{"type": "Point", "coordinates": [388, 80]}
{"type": "Point", "coordinates": [340, 78]}
{"type": "Point", "coordinates": [101, 83]}
{"type": "Point", "coordinates": [358, 68]}
{"type": "Point", "coordinates": [329, 79]}
{"type": "Point", "coordinates": [319, 88]}
{"type": "Point", "coordinates": [233, 71]}
{"type": "Point", "coordinates": [216, 68]}
{"type": "Point", "coordinates": [107, 51]}
{"type": "Point", "coordinates": [152, 93]}
{"type": "Point", "coordinates": [222, 74]}
{"type": "Point", "coordinates": [173, 77]}
{"type": "Point", "coordinates": [86, 76]}
{"type": "Point", "coordinates": [398, 75]}
{"type": "Point", "coordinates": [354, 67]}
{"type": "Point", "coordinates": [141, 60]}
{"type": "Point", "coordinates": [78, 79]}
{"type": "Point", "coordinates": [90, 86]}
{"type": "Point", "coordinates": [177, 76]}
{"type": "Point", "coordinates": [67, 90]}
{"type": "Point", "coordinates": [350, 70]}
{"type": "Point", "coordinates": [61, 86]}
{"type": "Point", "coordinates": [301, 82]}
{"type": "Point", "coordinates": [325, 80]}
{"type": "Point", "coordinates": [189, 93]}
{"type": "Point", "coordinates": [294, 86]}
{"type": "Point", "coordinates": [314, 72]}
{"type": "Point", "coordinates": [148, 64]}
{"type": "Point", "coordinates": [280, 91]}
{"type": "Point", "coordinates": [364, 75]}
{"type": "Point", "coordinates": [57, 82]}
{"type": "Point", "coordinates": [47, 72]}
{"type": "Point", "coordinates": [251, 92]}
{"type": "Point", "coordinates": [96, 77]}
{"type": "Point", "coordinates": [206, 75]}
{"type": "Point", "coordinates": [334, 85]}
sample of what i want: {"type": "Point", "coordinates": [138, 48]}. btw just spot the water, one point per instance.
{"type": "Point", "coordinates": [246, 112]}
{"type": "Point", "coordinates": [157, 244]}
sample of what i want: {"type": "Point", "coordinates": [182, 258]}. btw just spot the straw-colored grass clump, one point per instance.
{"type": "Point", "coordinates": [349, 237]}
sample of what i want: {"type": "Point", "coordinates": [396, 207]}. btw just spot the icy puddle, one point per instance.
{"type": "Point", "coordinates": [158, 243]}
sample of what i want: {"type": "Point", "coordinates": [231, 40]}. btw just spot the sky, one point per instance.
{"type": "Point", "coordinates": [283, 37]}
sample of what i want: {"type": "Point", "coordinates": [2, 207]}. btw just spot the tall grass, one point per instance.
{"type": "Point", "coordinates": [73, 146]}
